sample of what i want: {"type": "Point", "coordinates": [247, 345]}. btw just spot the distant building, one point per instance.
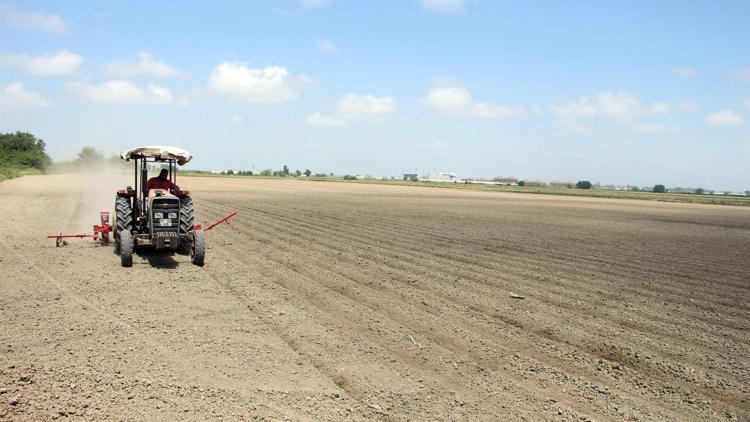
{"type": "Point", "coordinates": [480, 180]}
{"type": "Point", "coordinates": [443, 178]}
{"type": "Point", "coordinates": [505, 180]}
{"type": "Point", "coordinates": [533, 182]}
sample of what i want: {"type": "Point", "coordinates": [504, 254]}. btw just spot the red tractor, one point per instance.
{"type": "Point", "coordinates": [160, 217]}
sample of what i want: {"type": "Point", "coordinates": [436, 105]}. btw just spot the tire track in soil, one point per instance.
{"type": "Point", "coordinates": [176, 358]}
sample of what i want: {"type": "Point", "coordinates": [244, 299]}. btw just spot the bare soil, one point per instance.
{"type": "Point", "coordinates": [332, 301]}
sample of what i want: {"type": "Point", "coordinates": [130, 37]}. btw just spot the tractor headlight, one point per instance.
{"type": "Point", "coordinates": [158, 215]}
{"type": "Point", "coordinates": [172, 215]}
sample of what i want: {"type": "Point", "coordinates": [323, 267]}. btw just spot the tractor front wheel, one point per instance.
{"type": "Point", "coordinates": [125, 242]}
{"type": "Point", "coordinates": [198, 248]}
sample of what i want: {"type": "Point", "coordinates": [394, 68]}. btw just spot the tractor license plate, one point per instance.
{"type": "Point", "coordinates": [165, 222]}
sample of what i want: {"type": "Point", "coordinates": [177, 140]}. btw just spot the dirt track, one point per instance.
{"type": "Point", "coordinates": [332, 301]}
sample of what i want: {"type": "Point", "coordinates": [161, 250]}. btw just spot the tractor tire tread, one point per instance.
{"type": "Point", "coordinates": [198, 250]}
{"type": "Point", "coordinates": [125, 242]}
{"type": "Point", "coordinates": [123, 216]}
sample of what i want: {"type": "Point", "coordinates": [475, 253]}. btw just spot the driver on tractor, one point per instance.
{"type": "Point", "coordinates": [161, 182]}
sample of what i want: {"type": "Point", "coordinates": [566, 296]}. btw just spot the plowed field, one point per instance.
{"type": "Point", "coordinates": [334, 301]}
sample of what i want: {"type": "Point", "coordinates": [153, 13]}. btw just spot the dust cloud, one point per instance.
{"type": "Point", "coordinates": [95, 188]}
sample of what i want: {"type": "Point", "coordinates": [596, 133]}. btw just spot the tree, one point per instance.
{"type": "Point", "coordinates": [521, 183]}
{"type": "Point", "coordinates": [308, 173]}
{"type": "Point", "coordinates": [659, 189]}
{"type": "Point", "coordinates": [22, 149]}
{"type": "Point", "coordinates": [88, 157]}
{"type": "Point", "coordinates": [266, 172]}
{"type": "Point", "coordinates": [297, 173]}
{"type": "Point", "coordinates": [285, 170]}
{"type": "Point", "coordinates": [583, 184]}
{"type": "Point", "coordinates": [413, 178]}
{"type": "Point", "coordinates": [230, 172]}
{"type": "Point", "coordinates": [700, 191]}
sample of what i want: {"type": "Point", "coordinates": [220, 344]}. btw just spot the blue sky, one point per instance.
{"type": "Point", "coordinates": [613, 92]}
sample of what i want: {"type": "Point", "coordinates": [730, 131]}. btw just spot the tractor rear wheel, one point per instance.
{"type": "Point", "coordinates": [123, 216]}
{"type": "Point", "coordinates": [125, 242]}
{"type": "Point", "coordinates": [187, 222]}
{"type": "Point", "coordinates": [198, 248]}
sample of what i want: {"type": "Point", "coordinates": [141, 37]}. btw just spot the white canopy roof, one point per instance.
{"type": "Point", "coordinates": [158, 152]}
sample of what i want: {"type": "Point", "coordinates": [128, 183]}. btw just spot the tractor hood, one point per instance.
{"type": "Point", "coordinates": [158, 152]}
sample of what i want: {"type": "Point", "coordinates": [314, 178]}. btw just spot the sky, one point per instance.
{"type": "Point", "coordinates": [615, 92]}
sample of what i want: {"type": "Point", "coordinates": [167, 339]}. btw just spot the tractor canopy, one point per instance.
{"type": "Point", "coordinates": [158, 153]}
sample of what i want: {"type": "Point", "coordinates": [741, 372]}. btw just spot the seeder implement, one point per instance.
{"type": "Point", "coordinates": [223, 220]}
{"type": "Point", "coordinates": [101, 232]}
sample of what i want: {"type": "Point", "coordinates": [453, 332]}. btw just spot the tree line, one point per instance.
{"type": "Point", "coordinates": [23, 150]}
{"type": "Point", "coordinates": [284, 172]}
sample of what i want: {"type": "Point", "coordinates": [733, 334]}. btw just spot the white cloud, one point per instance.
{"type": "Point", "coordinates": [353, 105]}
{"type": "Point", "coordinates": [317, 119]}
{"type": "Point", "coordinates": [725, 118]}
{"type": "Point", "coordinates": [685, 72]}
{"type": "Point", "coordinates": [619, 106]}
{"type": "Point", "coordinates": [740, 73]}
{"type": "Point", "coordinates": [325, 45]}
{"type": "Point", "coordinates": [15, 97]}
{"type": "Point", "coordinates": [237, 82]}
{"type": "Point", "coordinates": [456, 100]}
{"type": "Point", "coordinates": [659, 108]}
{"type": "Point", "coordinates": [61, 63]}
{"type": "Point", "coordinates": [39, 20]}
{"type": "Point", "coordinates": [444, 6]}
{"type": "Point", "coordinates": [145, 65]}
{"type": "Point", "coordinates": [651, 128]}
{"type": "Point", "coordinates": [121, 92]}
{"type": "Point", "coordinates": [447, 98]}
{"type": "Point", "coordinates": [236, 119]}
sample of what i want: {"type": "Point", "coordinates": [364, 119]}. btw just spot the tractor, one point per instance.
{"type": "Point", "coordinates": [156, 219]}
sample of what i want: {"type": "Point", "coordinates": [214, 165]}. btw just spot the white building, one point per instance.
{"type": "Point", "coordinates": [443, 177]}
